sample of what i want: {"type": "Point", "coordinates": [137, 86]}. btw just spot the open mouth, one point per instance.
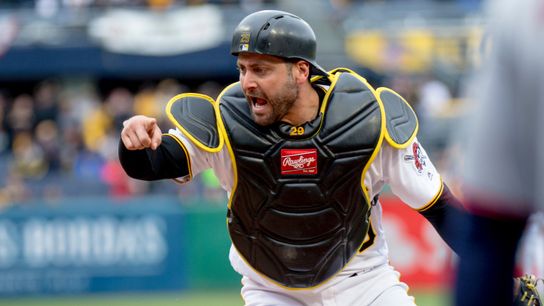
{"type": "Point", "coordinates": [257, 102]}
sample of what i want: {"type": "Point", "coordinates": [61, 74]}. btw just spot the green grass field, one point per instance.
{"type": "Point", "coordinates": [201, 298]}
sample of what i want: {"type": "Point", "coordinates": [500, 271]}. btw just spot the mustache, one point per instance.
{"type": "Point", "coordinates": [255, 95]}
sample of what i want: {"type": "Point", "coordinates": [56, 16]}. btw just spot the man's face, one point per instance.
{"type": "Point", "coordinates": [269, 86]}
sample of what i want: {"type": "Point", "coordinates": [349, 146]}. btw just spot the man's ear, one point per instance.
{"type": "Point", "coordinates": [302, 70]}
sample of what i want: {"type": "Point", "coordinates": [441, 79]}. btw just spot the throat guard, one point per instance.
{"type": "Point", "coordinates": [299, 211]}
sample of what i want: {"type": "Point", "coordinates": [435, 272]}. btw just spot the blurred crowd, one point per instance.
{"type": "Point", "coordinates": [60, 138]}
{"type": "Point", "coordinates": [153, 4]}
{"type": "Point", "coordinates": [440, 103]}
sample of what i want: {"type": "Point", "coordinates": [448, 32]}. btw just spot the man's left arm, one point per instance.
{"type": "Point", "coordinates": [410, 172]}
{"type": "Point", "coordinates": [415, 180]}
{"type": "Point", "coordinates": [445, 215]}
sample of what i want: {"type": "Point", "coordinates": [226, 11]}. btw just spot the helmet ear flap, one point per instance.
{"type": "Point", "coordinates": [277, 33]}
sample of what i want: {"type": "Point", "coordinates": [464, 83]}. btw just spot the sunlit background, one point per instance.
{"type": "Point", "coordinates": [75, 230]}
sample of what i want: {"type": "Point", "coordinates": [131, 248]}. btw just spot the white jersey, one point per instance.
{"type": "Point", "coordinates": [409, 173]}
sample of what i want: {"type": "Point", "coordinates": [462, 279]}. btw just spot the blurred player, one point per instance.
{"type": "Point", "coordinates": [303, 154]}
{"type": "Point", "coordinates": [504, 175]}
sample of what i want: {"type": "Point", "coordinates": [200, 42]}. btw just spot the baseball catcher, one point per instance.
{"type": "Point", "coordinates": [303, 154]}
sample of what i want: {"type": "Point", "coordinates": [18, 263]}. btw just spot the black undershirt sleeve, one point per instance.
{"type": "Point", "coordinates": [444, 215]}
{"type": "Point", "coordinates": [168, 161]}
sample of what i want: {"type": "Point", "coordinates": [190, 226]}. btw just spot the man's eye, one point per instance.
{"type": "Point", "coordinates": [259, 70]}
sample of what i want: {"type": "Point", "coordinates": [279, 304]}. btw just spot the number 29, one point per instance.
{"type": "Point", "coordinates": [296, 131]}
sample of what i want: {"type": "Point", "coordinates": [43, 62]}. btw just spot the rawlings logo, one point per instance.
{"type": "Point", "coordinates": [298, 161]}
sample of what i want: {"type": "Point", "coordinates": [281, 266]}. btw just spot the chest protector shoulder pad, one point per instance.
{"type": "Point", "coordinates": [194, 115]}
{"type": "Point", "coordinates": [401, 121]}
{"type": "Point", "coordinates": [299, 211]}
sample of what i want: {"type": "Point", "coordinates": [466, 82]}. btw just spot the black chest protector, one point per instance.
{"type": "Point", "coordinates": [299, 212]}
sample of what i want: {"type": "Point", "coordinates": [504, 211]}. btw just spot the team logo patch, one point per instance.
{"type": "Point", "coordinates": [244, 47]}
{"type": "Point", "coordinates": [244, 38]}
{"type": "Point", "coordinates": [244, 41]}
{"type": "Point", "coordinates": [417, 157]}
{"type": "Point", "coordinates": [298, 161]}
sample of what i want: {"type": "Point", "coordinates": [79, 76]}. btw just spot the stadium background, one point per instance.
{"type": "Point", "coordinates": [74, 230]}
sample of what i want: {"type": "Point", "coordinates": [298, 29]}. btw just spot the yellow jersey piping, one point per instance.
{"type": "Point", "coordinates": [375, 233]}
{"type": "Point", "coordinates": [223, 132]}
{"type": "Point", "coordinates": [434, 200]}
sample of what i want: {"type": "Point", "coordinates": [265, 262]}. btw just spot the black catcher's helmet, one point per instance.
{"type": "Point", "coordinates": [277, 33]}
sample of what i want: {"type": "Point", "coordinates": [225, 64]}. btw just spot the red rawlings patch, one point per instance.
{"type": "Point", "coordinates": [298, 161]}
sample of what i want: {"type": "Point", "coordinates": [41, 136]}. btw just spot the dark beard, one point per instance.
{"type": "Point", "coordinates": [281, 103]}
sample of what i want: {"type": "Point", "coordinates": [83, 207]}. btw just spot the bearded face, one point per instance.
{"type": "Point", "coordinates": [269, 108]}
{"type": "Point", "coordinates": [269, 86]}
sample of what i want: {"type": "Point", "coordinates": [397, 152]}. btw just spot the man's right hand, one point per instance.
{"type": "Point", "coordinates": [141, 132]}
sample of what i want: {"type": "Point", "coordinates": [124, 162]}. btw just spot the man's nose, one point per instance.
{"type": "Point", "coordinates": [248, 81]}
